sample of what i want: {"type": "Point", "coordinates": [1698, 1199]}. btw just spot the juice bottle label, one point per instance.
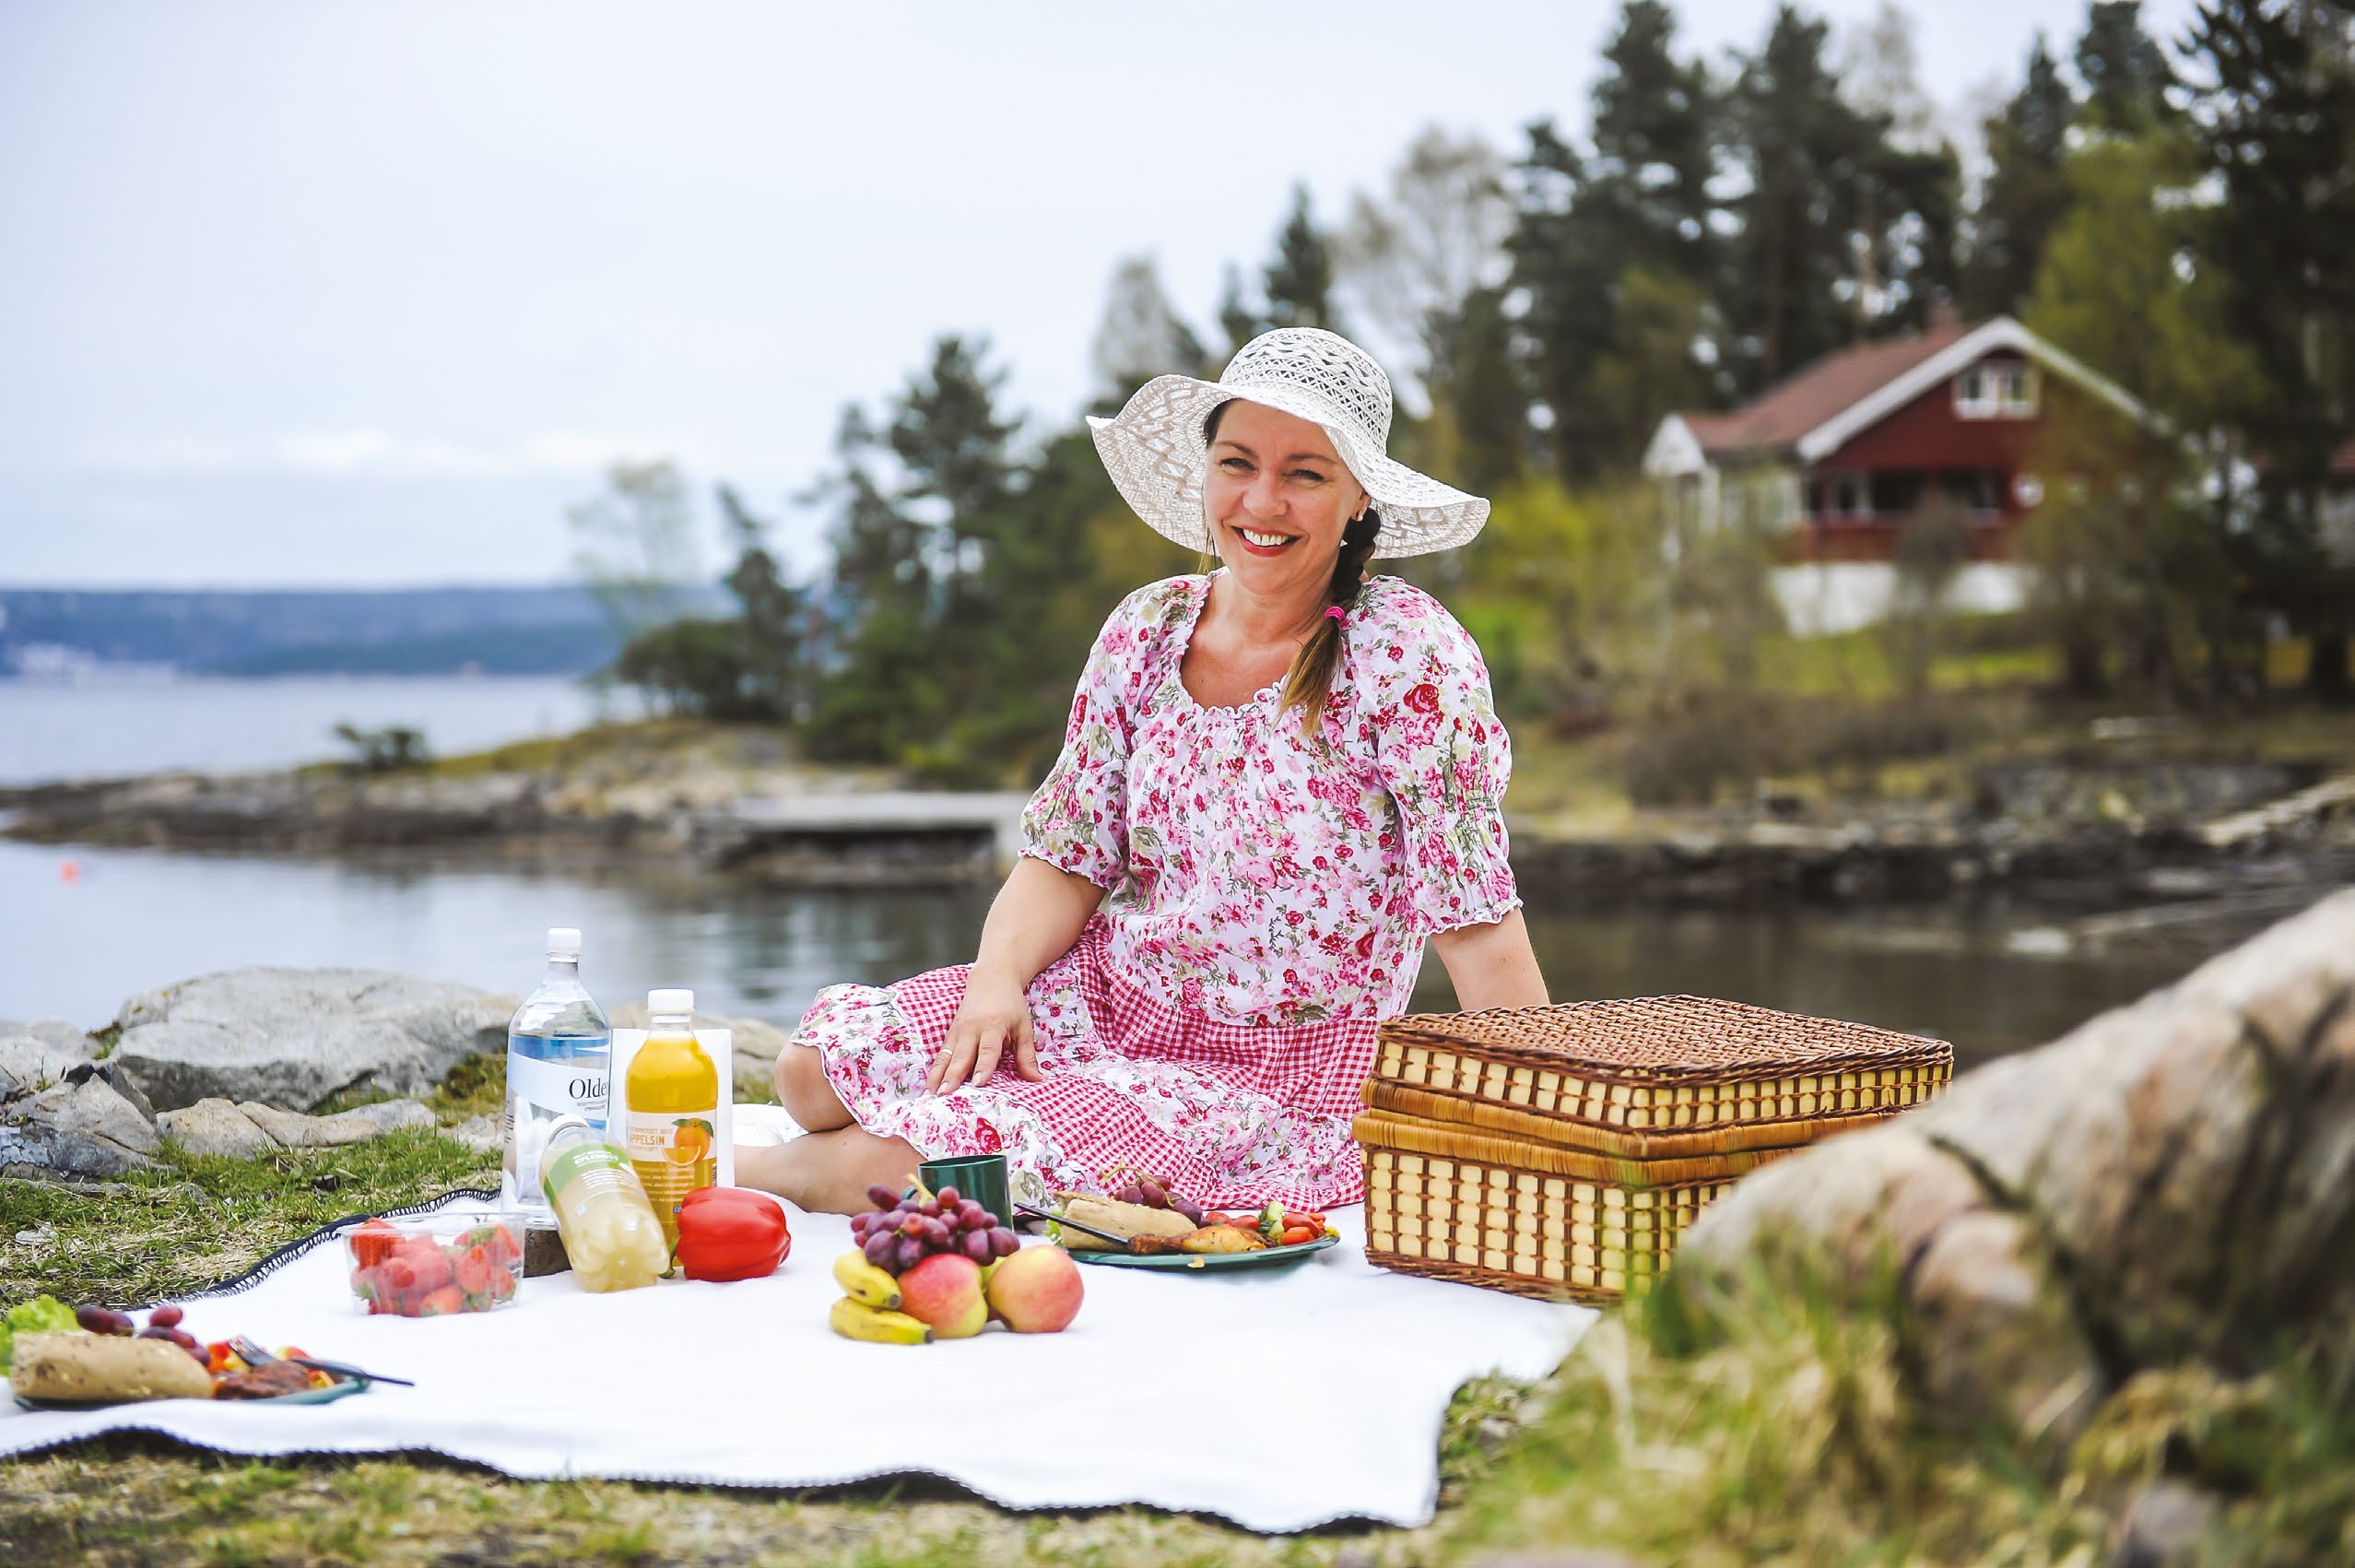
{"type": "Point", "coordinates": [597, 1167]}
{"type": "Point", "coordinates": [674, 1154]}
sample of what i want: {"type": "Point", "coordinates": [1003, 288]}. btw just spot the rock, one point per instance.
{"type": "Point", "coordinates": [2174, 1182]}
{"type": "Point", "coordinates": [91, 1107]}
{"type": "Point", "coordinates": [58, 1034]}
{"type": "Point", "coordinates": [482, 1133]}
{"type": "Point", "coordinates": [35, 1061]}
{"type": "Point", "coordinates": [2161, 1528]}
{"type": "Point", "coordinates": [295, 1037]}
{"type": "Point", "coordinates": [292, 1129]}
{"type": "Point", "coordinates": [78, 1129]}
{"type": "Point", "coordinates": [215, 1127]}
{"type": "Point", "coordinates": [122, 1083]}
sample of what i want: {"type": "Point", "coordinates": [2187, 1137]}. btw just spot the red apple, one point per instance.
{"type": "Point", "coordinates": [944, 1290]}
{"type": "Point", "coordinates": [1036, 1290]}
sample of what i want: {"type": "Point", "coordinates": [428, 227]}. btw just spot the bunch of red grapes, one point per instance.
{"type": "Point", "coordinates": [1154, 1193]}
{"type": "Point", "coordinates": [899, 1232]}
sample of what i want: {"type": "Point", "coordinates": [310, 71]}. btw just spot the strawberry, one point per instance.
{"type": "Point", "coordinates": [372, 1242]}
{"type": "Point", "coordinates": [432, 1268]}
{"type": "Point", "coordinates": [442, 1302]}
{"type": "Point", "coordinates": [473, 1268]}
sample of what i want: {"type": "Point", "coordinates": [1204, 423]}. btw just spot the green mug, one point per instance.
{"type": "Point", "coordinates": [981, 1177]}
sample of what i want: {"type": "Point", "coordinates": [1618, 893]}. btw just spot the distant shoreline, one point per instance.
{"type": "Point", "coordinates": [735, 803]}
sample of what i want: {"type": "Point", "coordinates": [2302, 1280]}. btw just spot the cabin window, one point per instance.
{"type": "Point", "coordinates": [2003, 390]}
{"type": "Point", "coordinates": [1846, 496]}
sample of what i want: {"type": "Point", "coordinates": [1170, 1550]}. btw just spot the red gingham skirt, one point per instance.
{"type": "Point", "coordinates": [1234, 1116]}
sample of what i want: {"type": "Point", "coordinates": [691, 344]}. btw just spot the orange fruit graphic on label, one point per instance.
{"type": "Point", "coordinates": [691, 1143]}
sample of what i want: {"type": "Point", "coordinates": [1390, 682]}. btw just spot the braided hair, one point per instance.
{"type": "Point", "coordinates": [1308, 685]}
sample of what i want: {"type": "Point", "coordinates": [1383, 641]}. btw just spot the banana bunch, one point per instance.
{"type": "Point", "coordinates": [870, 1305]}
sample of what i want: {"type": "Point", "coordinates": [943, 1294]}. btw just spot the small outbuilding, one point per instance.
{"type": "Point", "coordinates": [1837, 460]}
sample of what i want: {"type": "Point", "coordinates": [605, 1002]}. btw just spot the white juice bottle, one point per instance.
{"type": "Point", "coordinates": [559, 1054]}
{"type": "Point", "coordinates": [610, 1234]}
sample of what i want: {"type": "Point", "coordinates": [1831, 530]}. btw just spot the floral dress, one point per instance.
{"type": "Point", "coordinates": [1269, 895]}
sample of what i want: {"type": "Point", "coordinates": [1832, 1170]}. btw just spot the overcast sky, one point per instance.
{"type": "Point", "coordinates": [366, 293]}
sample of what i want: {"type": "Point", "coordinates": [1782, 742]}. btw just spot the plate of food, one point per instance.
{"type": "Point", "coordinates": [95, 1357]}
{"type": "Point", "coordinates": [1178, 1235]}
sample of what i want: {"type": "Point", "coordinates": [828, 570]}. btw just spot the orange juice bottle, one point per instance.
{"type": "Point", "coordinates": [673, 1094]}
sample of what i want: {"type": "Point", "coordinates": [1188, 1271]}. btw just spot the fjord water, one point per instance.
{"type": "Point", "coordinates": [117, 723]}
{"type": "Point", "coordinates": [128, 920]}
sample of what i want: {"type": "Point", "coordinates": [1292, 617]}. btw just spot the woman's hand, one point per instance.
{"type": "Point", "coordinates": [994, 1015]}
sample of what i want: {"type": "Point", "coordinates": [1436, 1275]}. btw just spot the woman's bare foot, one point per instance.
{"type": "Point", "coordinates": [827, 1172]}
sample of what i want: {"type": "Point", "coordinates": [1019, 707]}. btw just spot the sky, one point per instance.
{"type": "Point", "coordinates": [369, 292]}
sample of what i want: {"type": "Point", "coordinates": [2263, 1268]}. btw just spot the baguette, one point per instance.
{"type": "Point", "coordinates": [1118, 1219]}
{"type": "Point", "coordinates": [103, 1369]}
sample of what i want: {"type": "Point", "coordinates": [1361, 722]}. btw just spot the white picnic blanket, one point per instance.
{"type": "Point", "coordinates": [1280, 1399]}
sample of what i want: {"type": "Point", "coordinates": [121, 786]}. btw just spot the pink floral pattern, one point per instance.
{"type": "Point", "coordinates": [1269, 897]}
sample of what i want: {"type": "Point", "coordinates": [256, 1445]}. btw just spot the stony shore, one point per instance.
{"type": "Point", "coordinates": [2049, 831]}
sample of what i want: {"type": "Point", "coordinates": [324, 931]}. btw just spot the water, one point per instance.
{"type": "Point", "coordinates": [130, 920]}
{"type": "Point", "coordinates": [115, 724]}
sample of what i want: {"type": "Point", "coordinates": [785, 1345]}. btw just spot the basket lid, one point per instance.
{"type": "Point", "coordinates": [1665, 1040]}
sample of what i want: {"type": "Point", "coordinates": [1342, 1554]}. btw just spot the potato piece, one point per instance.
{"type": "Point", "coordinates": [1123, 1220]}
{"type": "Point", "coordinates": [1223, 1238]}
{"type": "Point", "coordinates": [103, 1369]}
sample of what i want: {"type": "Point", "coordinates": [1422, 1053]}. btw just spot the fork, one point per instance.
{"type": "Point", "coordinates": [254, 1355]}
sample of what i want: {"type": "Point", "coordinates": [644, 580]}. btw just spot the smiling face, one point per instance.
{"type": "Point", "coordinates": [1278, 498]}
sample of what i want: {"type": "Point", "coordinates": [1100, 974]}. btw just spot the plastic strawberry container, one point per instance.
{"type": "Point", "coordinates": [436, 1264]}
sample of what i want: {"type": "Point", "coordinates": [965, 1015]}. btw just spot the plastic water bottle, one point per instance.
{"type": "Point", "coordinates": [611, 1237]}
{"type": "Point", "coordinates": [560, 1053]}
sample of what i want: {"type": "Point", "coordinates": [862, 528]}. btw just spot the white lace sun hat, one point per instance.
{"type": "Point", "coordinates": [1154, 449]}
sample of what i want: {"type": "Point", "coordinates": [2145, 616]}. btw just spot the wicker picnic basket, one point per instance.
{"type": "Point", "coordinates": [1560, 1151]}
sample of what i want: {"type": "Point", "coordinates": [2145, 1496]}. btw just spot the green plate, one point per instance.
{"type": "Point", "coordinates": [308, 1397]}
{"type": "Point", "coordinates": [1206, 1262]}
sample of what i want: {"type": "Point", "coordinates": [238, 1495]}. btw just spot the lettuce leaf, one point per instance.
{"type": "Point", "coordinates": [42, 1315]}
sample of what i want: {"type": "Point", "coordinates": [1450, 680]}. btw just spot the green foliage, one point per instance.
{"type": "Point", "coordinates": [1842, 231]}
{"type": "Point", "coordinates": [1298, 282]}
{"type": "Point", "coordinates": [2027, 190]}
{"type": "Point", "coordinates": [1616, 251]}
{"type": "Point", "coordinates": [2134, 569]}
{"type": "Point", "coordinates": [2275, 119]}
{"type": "Point", "coordinates": [962, 601]}
{"type": "Point", "coordinates": [636, 543]}
{"type": "Point", "coordinates": [2125, 71]}
{"type": "Point", "coordinates": [393, 749]}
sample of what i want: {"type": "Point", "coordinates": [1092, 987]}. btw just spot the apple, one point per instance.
{"type": "Point", "coordinates": [944, 1290]}
{"type": "Point", "coordinates": [1036, 1290]}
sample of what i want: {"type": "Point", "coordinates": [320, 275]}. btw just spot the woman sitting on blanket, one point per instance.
{"type": "Point", "coordinates": [1278, 779]}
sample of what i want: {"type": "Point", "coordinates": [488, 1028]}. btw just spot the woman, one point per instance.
{"type": "Point", "coordinates": [1278, 781]}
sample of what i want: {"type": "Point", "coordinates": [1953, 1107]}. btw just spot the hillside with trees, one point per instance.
{"type": "Point", "coordinates": [2176, 212]}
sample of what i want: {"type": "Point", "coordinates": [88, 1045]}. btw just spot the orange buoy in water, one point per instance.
{"type": "Point", "coordinates": [69, 870]}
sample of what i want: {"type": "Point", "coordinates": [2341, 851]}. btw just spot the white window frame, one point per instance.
{"type": "Point", "coordinates": [2008, 391]}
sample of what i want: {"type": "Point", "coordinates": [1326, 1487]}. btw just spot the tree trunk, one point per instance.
{"type": "Point", "coordinates": [2327, 678]}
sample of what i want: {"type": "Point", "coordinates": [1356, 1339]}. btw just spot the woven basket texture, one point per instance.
{"type": "Point", "coordinates": [1654, 1074]}
{"type": "Point", "coordinates": [1561, 1151]}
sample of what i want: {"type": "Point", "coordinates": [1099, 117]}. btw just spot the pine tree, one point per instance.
{"type": "Point", "coordinates": [1842, 231]}
{"type": "Point", "coordinates": [1604, 238]}
{"type": "Point", "coordinates": [2125, 72]}
{"type": "Point", "coordinates": [2276, 122]}
{"type": "Point", "coordinates": [2026, 190]}
{"type": "Point", "coordinates": [1299, 281]}
{"type": "Point", "coordinates": [1141, 335]}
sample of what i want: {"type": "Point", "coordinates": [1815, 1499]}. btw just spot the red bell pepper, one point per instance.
{"type": "Point", "coordinates": [731, 1233]}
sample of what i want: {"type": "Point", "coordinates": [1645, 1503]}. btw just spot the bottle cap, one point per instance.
{"type": "Point", "coordinates": [564, 942]}
{"type": "Point", "coordinates": [670, 1003]}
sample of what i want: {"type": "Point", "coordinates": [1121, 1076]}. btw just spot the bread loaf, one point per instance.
{"type": "Point", "coordinates": [1122, 1219]}
{"type": "Point", "coordinates": [105, 1369]}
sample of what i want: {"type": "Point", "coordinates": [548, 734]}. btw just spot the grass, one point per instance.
{"type": "Point", "coordinates": [1792, 1444]}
